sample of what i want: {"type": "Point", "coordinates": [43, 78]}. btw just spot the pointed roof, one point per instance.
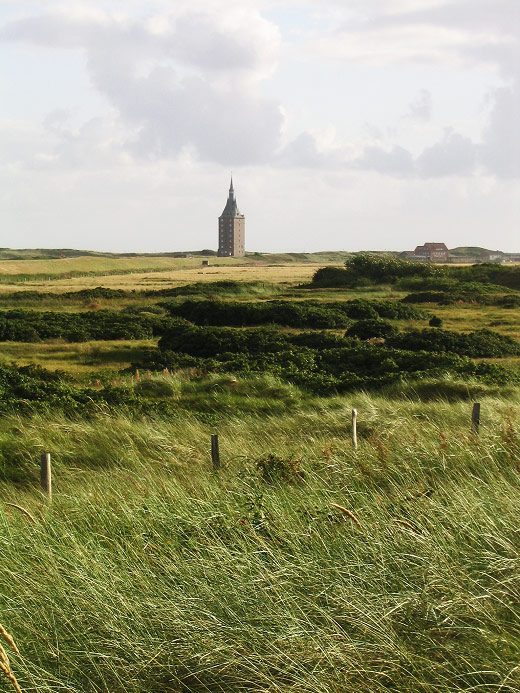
{"type": "Point", "coordinates": [231, 208]}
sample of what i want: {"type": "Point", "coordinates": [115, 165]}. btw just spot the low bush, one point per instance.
{"type": "Point", "coordinates": [366, 329]}
{"type": "Point", "coordinates": [239, 314]}
{"type": "Point", "coordinates": [377, 269]}
{"type": "Point", "coordinates": [33, 326]}
{"type": "Point", "coordinates": [479, 344]}
{"type": "Point", "coordinates": [331, 277]}
{"type": "Point", "coordinates": [386, 269]}
{"type": "Point", "coordinates": [320, 362]}
{"type": "Point", "coordinates": [331, 315]}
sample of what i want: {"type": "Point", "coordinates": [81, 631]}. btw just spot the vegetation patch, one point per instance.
{"type": "Point", "coordinates": [364, 268]}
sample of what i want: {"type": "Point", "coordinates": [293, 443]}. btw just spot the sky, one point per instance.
{"type": "Point", "coordinates": [347, 124]}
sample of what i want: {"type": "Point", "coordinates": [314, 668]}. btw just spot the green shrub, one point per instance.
{"type": "Point", "coordinates": [360, 309]}
{"type": "Point", "coordinates": [366, 329]}
{"type": "Point", "coordinates": [479, 344]}
{"type": "Point", "coordinates": [331, 277]}
{"type": "Point", "coordinates": [31, 326]}
{"type": "Point", "coordinates": [241, 314]}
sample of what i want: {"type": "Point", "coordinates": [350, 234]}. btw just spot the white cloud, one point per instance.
{"type": "Point", "coordinates": [192, 85]}
{"type": "Point", "coordinates": [500, 150]}
{"type": "Point", "coordinates": [421, 107]}
{"type": "Point", "coordinates": [448, 32]}
{"type": "Point", "coordinates": [454, 155]}
{"type": "Point", "coordinates": [184, 89]}
{"type": "Point", "coordinates": [396, 162]}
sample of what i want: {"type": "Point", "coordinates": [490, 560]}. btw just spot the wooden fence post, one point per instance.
{"type": "Point", "coordinates": [46, 475]}
{"type": "Point", "coordinates": [475, 418]}
{"type": "Point", "coordinates": [215, 455]}
{"type": "Point", "coordinates": [354, 428]}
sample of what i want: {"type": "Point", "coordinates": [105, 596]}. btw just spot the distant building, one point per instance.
{"type": "Point", "coordinates": [432, 252]}
{"type": "Point", "coordinates": [494, 256]}
{"type": "Point", "coordinates": [231, 228]}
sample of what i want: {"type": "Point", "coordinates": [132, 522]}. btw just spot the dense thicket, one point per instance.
{"type": "Point", "coordinates": [235, 313]}
{"type": "Point", "coordinates": [33, 326]}
{"type": "Point", "coordinates": [321, 362]}
{"type": "Point", "coordinates": [330, 315]}
{"type": "Point", "coordinates": [385, 269]}
{"type": "Point", "coordinates": [479, 344]}
{"type": "Point", "coordinates": [31, 388]}
{"type": "Point", "coordinates": [367, 329]}
{"type": "Point", "coordinates": [146, 321]}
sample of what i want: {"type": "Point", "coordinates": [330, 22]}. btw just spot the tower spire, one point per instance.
{"type": "Point", "coordinates": [231, 228]}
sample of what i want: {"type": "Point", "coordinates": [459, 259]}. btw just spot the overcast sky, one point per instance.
{"type": "Point", "coordinates": [348, 124]}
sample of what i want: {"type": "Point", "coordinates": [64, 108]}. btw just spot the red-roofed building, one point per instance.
{"type": "Point", "coordinates": [432, 252]}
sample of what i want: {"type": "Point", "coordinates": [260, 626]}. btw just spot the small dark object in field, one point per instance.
{"type": "Point", "coordinates": [274, 468]}
{"type": "Point", "coordinates": [435, 322]}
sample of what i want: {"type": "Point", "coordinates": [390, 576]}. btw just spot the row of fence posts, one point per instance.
{"type": "Point", "coordinates": [45, 461]}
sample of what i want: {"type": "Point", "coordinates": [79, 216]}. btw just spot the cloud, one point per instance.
{"type": "Point", "coordinates": [500, 150]}
{"type": "Point", "coordinates": [187, 82]}
{"type": "Point", "coordinates": [443, 32]}
{"type": "Point", "coordinates": [396, 162]}
{"type": "Point", "coordinates": [454, 155]}
{"type": "Point", "coordinates": [304, 152]}
{"type": "Point", "coordinates": [421, 107]}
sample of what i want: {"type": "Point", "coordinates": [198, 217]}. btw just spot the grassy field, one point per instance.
{"type": "Point", "coordinates": [82, 358]}
{"type": "Point", "coordinates": [150, 279]}
{"type": "Point", "coordinates": [66, 271]}
{"type": "Point", "coordinates": [302, 564]}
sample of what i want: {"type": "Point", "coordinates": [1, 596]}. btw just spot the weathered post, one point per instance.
{"type": "Point", "coordinates": [215, 455]}
{"type": "Point", "coordinates": [475, 418]}
{"type": "Point", "coordinates": [45, 474]}
{"type": "Point", "coordinates": [354, 429]}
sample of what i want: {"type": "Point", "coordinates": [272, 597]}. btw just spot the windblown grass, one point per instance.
{"type": "Point", "coordinates": [151, 573]}
{"type": "Point", "coordinates": [5, 664]}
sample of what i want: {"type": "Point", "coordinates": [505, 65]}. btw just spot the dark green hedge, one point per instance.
{"type": "Point", "coordinates": [325, 315]}
{"type": "Point", "coordinates": [320, 362]}
{"type": "Point", "coordinates": [479, 344]}
{"type": "Point", "coordinates": [33, 326]}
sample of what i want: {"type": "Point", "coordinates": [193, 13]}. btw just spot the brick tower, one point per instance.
{"type": "Point", "coordinates": [231, 228]}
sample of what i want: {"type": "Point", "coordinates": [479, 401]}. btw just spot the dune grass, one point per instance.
{"type": "Point", "coordinates": [152, 573]}
{"type": "Point", "coordinates": [302, 565]}
{"type": "Point", "coordinates": [77, 358]}
{"type": "Point", "coordinates": [227, 268]}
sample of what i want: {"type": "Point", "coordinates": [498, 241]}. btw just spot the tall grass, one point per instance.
{"type": "Point", "coordinates": [150, 573]}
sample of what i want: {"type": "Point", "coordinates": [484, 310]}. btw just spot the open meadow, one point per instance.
{"type": "Point", "coordinates": [293, 560]}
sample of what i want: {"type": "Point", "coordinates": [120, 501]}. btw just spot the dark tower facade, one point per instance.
{"type": "Point", "coordinates": [231, 228]}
